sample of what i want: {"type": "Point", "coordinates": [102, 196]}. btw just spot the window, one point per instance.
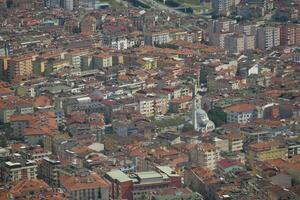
{"type": "Point", "coordinates": [99, 193]}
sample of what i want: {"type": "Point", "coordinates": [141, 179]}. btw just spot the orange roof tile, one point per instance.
{"type": "Point", "coordinates": [92, 181]}
{"type": "Point", "coordinates": [243, 107]}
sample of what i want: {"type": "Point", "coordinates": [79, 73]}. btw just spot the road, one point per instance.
{"type": "Point", "coordinates": [156, 5]}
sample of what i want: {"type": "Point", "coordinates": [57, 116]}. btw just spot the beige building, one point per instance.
{"type": "Point", "coordinates": [206, 155]}
{"type": "Point", "coordinates": [147, 106]}
{"type": "Point", "coordinates": [19, 67]}
{"type": "Point", "coordinates": [235, 141]}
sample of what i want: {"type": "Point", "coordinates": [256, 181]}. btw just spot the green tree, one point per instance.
{"type": "Point", "coordinates": [218, 116]}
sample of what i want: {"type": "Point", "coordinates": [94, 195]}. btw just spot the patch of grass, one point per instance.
{"type": "Point", "coordinates": [189, 2]}
{"type": "Point", "coordinates": [170, 122]}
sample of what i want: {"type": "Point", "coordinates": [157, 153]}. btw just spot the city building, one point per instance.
{"type": "Point", "coordinates": [241, 113]}
{"type": "Point", "coordinates": [267, 37]}
{"type": "Point", "coordinates": [290, 34]}
{"type": "Point", "coordinates": [17, 168]}
{"type": "Point", "coordinates": [19, 67]}
{"type": "Point", "coordinates": [263, 151]}
{"type": "Point", "coordinates": [157, 38]}
{"type": "Point", "coordinates": [85, 186]}
{"type": "Point", "coordinates": [49, 171]}
{"type": "Point", "coordinates": [205, 155]}
{"type": "Point", "coordinates": [141, 185]}
{"type": "Point", "coordinates": [102, 61]}
{"type": "Point", "coordinates": [67, 4]}
{"type": "Point", "coordinates": [88, 25]}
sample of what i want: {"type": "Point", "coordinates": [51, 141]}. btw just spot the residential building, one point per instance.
{"type": "Point", "coordinates": [5, 48]}
{"type": "Point", "coordinates": [33, 189]}
{"type": "Point", "coordinates": [206, 155]}
{"type": "Point", "coordinates": [223, 7]}
{"type": "Point", "coordinates": [141, 185]}
{"type": "Point", "coordinates": [235, 141]}
{"type": "Point", "coordinates": [20, 66]}
{"type": "Point", "coordinates": [146, 106]}
{"type": "Point", "coordinates": [161, 37]}
{"type": "Point", "coordinates": [202, 180]}
{"type": "Point", "coordinates": [85, 186]}
{"type": "Point", "coordinates": [4, 67]}
{"type": "Point", "coordinates": [267, 37]}
{"type": "Point", "coordinates": [263, 151]}
{"type": "Point", "coordinates": [49, 171]}
{"type": "Point", "coordinates": [68, 4]}
{"type": "Point", "coordinates": [14, 105]}
{"type": "Point", "coordinates": [293, 148]}
{"type": "Point", "coordinates": [241, 113]}
{"type": "Point", "coordinates": [234, 44]}
{"type": "Point", "coordinates": [218, 39]}
{"type": "Point", "coordinates": [290, 34]}
{"type": "Point", "coordinates": [102, 61]}
{"type": "Point", "coordinates": [119, 42]}
{"type": "Point", "coordinates": [16, 168]}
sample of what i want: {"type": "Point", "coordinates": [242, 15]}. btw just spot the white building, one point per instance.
{"type": "Point", "coordinates": [200, 119]}
{"type": "Point", "coordinates": [267, 37]}
{"type": "Point", "coordinates": [241, 113]}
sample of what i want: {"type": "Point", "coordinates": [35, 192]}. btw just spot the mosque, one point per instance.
{"type": "Point", "coordinates": [200, 120]}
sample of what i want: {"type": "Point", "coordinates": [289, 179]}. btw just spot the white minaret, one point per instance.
{"type": "Point", "coordinates": [195, 104]}
{"type": "Point", "coordinates": [194, 114]}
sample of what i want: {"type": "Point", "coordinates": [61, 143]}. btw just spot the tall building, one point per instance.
{"type": "Point", "coordinates": [68, 4]}
{"type": "Point", "coordinates": [206, 155]}
{"type": "Point", "coordinates": [17, 168]}
{"type": "Point", "coordinates": [5, 48]}
{"type": "Point", "coordinates": [20, 66]}
{"type": "Point", "coordinates": [4, 67]}
{"type": "Point", "coordinates": [267, 37]}
{"type": "Point", "coordinates": [290, 34]}
{"type": "Point", "coordinates": [223, 7]}
{"type": "Point", "coordinates": [49, 171]}
{"type": "Point", "coordinates": [234, 44]}
{"type": "Point", "coordinates": [220, 6]}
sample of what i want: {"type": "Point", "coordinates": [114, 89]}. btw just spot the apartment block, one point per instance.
{"type": "Point", "coordinates": [267, 37]}
{"type": "Point", "coordinates": [141, 185]}
{"type": "Point", "coordinates": [263, 151]}
{"type": "Point", "coordinates": [290, 34]}
{"type": "Point", "coordinates": [17, 168]}
{"type": "Point", "coordinates": [102, 61]}
{"type": "Point", "coordinates": [85, 186]}
{"type": "Point", "coordinates": [241, 113]}
{"type": "Point", "coordinates": [206, 155]}
{"type": "Point", "coordinates": [19, 67]}
{"type": "Point", "coordinates": [49, 171]}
